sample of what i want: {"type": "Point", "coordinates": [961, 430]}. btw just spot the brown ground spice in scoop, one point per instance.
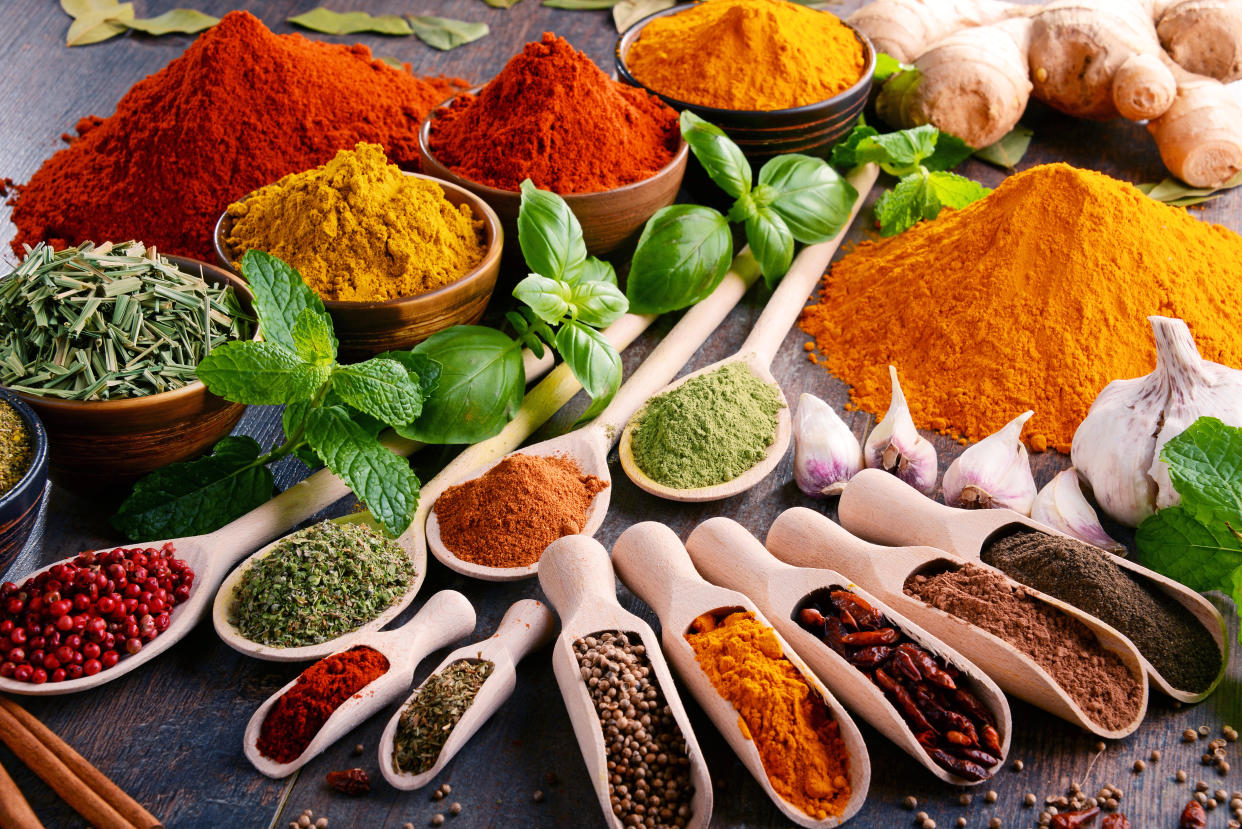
{"type": "Point", "coordinates": [508, 516]}
{"type": "Point", "coordinates": [1096, 679]}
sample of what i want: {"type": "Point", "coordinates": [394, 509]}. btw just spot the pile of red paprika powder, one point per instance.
{"type": "Point", "coordinates": [294, 720]}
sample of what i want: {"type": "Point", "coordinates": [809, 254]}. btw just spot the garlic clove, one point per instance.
{"type": "Point", "coordinates": [1062, 506]}
{"type": "Point", "coordinates": [995, 472]}
{"type": "Point", "coordinates": [896, 446]}
{"type": "Point", "coordinates": [826, 453]}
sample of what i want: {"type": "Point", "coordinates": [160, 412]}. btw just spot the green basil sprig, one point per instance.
{"type": "Point", "coordinates": [566, 297]}
{"type": "Point", "coordinates": [333, 414]}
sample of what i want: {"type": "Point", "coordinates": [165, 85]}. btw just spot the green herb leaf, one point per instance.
{"type": "Point", "coordinates": [1205, 466]}
{"type": "Point", "coordinates": [898, 153]}
{"type": "Point", "coordinates": [845, 154]}
{"type": "Point", "coordinates": [1007, 152]}
{"type": "Point", "coordinates": [628, 12]}
{"type": "Point", "coordinates": [1235, 592]}
{"type": "Point", "coordinates": [597, 304]}
{"type": "Point", "coordinates": [177, 21]}
{"type": "Point", "coordinates": [198, 496]}
{"type": "Point", "coordinates": [720, 157]}
{"type": "Point", "coordinates": [596, 270]}
{"type": "Point", "coordinates": [99, 24]}
{"type": "Point", "coordinates": [887, 66]}
{"type": "Point", "coordinates": [580, 5]}
{"type": "Point", "coordinates": [502, 4]}
{"type": "Point", "coordinates": [1173, 542]}
{"type": "Point", "coordinates": [81, 8]}
{"type": "Point", "coordinates": [772, 244]}
{"type": "Point", "coordinates": [950, 152]}
{"type": "Point", "coordinates": [808, 195]}
{"type": "Point", "coordinates": [350, 23]}
{"type": "Point", "coordinates": [549, 234]}
{"type": "Point", "coordinates": [280, 296]}
{"type": "Point", "coordinates": [445, 33]}
{"type": "Point", "coordinates": [682, 255]}
{"type": "Point", "coordinates": [481, 386]}
{"type": "Point", "coordinates": [380, 388]}
{"type": "Point", "coordinates": [593, 361]}
{"type": "Point", "coordinates": [422, 369]}
{"type": "Point", "coordinates": [312, 338]}
{"type": "Point", "coordinates": [381, 480]}
{"type": "Point", "coordinates": [1178, 194]}
{"type": "Point", "coordinates": [548, 298]}
{"type": "Point", "coordinates": [395, 63]}
{"type": "Point", "coordinates": [260, 373]}
{"type": "Point", "coordinates": [921, 196]}
{"type": "Point", "coordinates": [952, 190]}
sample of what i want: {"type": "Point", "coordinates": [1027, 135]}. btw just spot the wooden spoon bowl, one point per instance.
{"type": "Point", "coordinates": [727, 555]}
{"type": "Point", "coordinates": [880, 508]}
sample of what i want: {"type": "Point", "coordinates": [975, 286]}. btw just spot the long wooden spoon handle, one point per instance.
{"type": "Point", "coordinates": [808, 266]}
{"type": "Point", "coordinates": [653, 563]}
{"type": "Point", "coordinates": [526, 626]}
{"type": "Point", "coordinates": [575, 573]}
{"type": "Point", "coordinates": [806, 538]}
{"type": "Point", "coordinates": [446, 617]}
{"type": "Point", "coordinates": [728, 555]}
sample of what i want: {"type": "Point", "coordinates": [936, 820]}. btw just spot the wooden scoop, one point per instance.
{"type": "Point", "coordinates": [654, 564]}
{"type": "Point", "coordinates": [588, 447]}
{"type": "Point", "coordinates": [727, 555]}
{"type": "Point", "coordinates": [880, 508]}
{"type": "Point", "coordinates": [806, 538]}
{"type": "Point", "coordinates": [527, 625]}
{"type": "Point", "coordinates": [757, 353]}
{"type": "Point", "coordinates": [446, 616]}
{"type": "Point", "coordinates": [579, 582]}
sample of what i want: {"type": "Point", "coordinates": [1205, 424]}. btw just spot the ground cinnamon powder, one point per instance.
{"type": "Point", "coordinates": [508, 516]}
{"type": "Point", "coordinates": [1096, 679]}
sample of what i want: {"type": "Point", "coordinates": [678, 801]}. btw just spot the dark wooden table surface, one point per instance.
{"type": "Point", "coordinates": [170, 734]}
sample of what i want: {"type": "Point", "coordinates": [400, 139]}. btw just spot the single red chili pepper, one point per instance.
{"type": "Point", "coordinates": [973, 706]}
{"type": "Point", "coordinates": [991, 740]}
{"type": "Point", "coordinates": [834, 634]}
{"type": "Point", "coordinates": [883, 636]}
{"type": "Point", "coordinates": [903, 664]}
{"type": "Point", "coordinates": [904, 701]}
{"type": "Point", "coordinates": [1073, 820]}
{"type": "Point", "coordinates": [1193, 816]}
{"type": "Point", "coordinates": [857, 607]}
{"type": "Point", "coordinates": [1116, 821]}
{"type": "Point", "coordinates": [959, 766]}
{"type": "Point", "coordinates": [353, 782]}
{"type": "Point", "coordinates": [958, 738]}
{"type": "Point", "coordinates": [811, 616]}
{"type": "Point", "coordinates": [872, 657]}
{"type": "Point", "coordinates": [975, 755]}
{"type": "Point", "coordinates": [927, 664]}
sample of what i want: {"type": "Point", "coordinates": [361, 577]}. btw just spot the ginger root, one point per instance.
{"type": "Point", "coordinates": [1200, 136]}
{"type": "Point", "coordinates": [1204, 36]}
{"type": "Point", "coordinates": [905, 28]}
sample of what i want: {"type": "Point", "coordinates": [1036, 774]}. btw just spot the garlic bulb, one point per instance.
{"type": "Point", "coordinates": [894, 445]}
{"type": "Point", "coordinates": [1062, 506]}
{"type": "Point", "coordinates": [995, 472]}
{"type": "Point", "coordinates": [1117, 447]}
{"type": "Point", "coordinates": [826, 453]}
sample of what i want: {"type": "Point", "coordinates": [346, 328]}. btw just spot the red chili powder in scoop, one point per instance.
{"type": "Point", "coordinates": [241, 108]}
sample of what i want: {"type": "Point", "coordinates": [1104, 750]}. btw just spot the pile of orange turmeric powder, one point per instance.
{"type": "Point", "coordinates": [1033, 297]}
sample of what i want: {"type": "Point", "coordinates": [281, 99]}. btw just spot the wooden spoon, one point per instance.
{"type": "Point", "coordinates": [727, 555]}
{"type": "Point", "coordinates": [540, 403]}
{"type": "Point", "coordinates": [589, 446]}
{"type": "Point", "coordinates": [578, 579]}
{"type": "Point", "coordinates": [806, 538]}
{"type": "Point", "coordinates": [446, 616]}
{"type": "Point", "coordinates": [654, 564]}
{"type": "Point", "coordinates": [880, 508]}
{"type": "Point", "coordinates": [757, 353]}
{"type": "Point", "coordinates": [527, 625]}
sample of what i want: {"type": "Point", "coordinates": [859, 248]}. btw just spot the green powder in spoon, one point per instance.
{"type": "Point", "coordinates": [707, 430]}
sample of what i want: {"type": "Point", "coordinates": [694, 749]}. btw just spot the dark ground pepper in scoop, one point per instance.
{"type": "Point", "coordinates": [1164, 631]}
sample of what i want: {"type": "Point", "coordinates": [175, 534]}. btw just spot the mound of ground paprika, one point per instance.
{"type": "Point", "coordinates": [241, 108]}
{"type": "Point", "coordinates": [553, 116]}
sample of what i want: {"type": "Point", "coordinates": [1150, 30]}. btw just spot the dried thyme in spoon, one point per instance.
{"type": "Point", "coordinates": [109, 322]}
{"type": "Point", "coordinates": [433, 713]}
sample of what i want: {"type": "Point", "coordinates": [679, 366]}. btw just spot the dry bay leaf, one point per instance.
{"type": "Point", "coordinates": [1008, 151]}
{"type": "Point", "coordinates": [179, 21]}
{"type": "Point", "coordinates": [99, 25]}
{"type": "Point", "coordinates": [628, 12]}
{"type": "Point", "coordinates": [445, 33]}
{"type": "Point", "coordinates": [348, 23]}
{"type": "Point", "coordinates": [580, 5]}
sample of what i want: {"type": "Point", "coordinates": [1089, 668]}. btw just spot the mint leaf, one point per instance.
{"type": "Point", "coordinates": [280, 296]}
{"type": "Point", "coordinates": [548, 298]}
{"type": "Point", "coordinates": [1235, 593]}
{"type": "Point", "coordinates": [423, 370]}
{"type": "Point", "coordinates": [721, 158]}
{"type": "Point", "coordinates": [1205, 465]}
{"type": "Point", "coordinates": [382, 481]}
{"type": "Point", "coordinates": [198, 496]}
{"type": "Point", "coordinates": [845, 154]}
{"type": "Point", "coordinates": [380, 388]}
{"type": "Point", "coordinates": [593, 361]}
{"type": "Point", "coordinates": [952, 190]}
{"type": "Point", "coordinates": [598, 304]}
{"type": "Point", "coordinates": [260, 373]}
{"type": "Point", "coordinates": [898, 153]}
{"type": "Point", "coordinates": [549, 234]}
{"type": "Point", "coordinates": [1176, 543]}
{"type": "Point", "coordinates": [312, 338]}
{"type": "Point", "coordinates": [886, 66]}
{"type": "Point", "coordinates": [921, 196]}
{"type": "Point", "coordinates": [950, 152]}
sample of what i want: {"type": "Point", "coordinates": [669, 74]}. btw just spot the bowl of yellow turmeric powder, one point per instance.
{"type": "Point", "coordinates": [395, 256]}
{"type": "Point", "coordinates": [776, 76]}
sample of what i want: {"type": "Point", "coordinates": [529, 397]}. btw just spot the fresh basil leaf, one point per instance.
{"type": "Point", "coordinates": [898, 153]}
{"type": "Point", "coordinates": [481, 386]}
{"type": "Point", "coordinates": [549, 234]}
{"type": "Point", "coordinates": [593, 361]}
{"type": "Point", "coordinates": [100, 24]}
{"type": "Point", "coordinates": [382, 481]}
{"type": "Point", "coordinates": [682, 255]}
{"type": "Point", "coordinates": [380, 388]}
{"type": "Point", "coordinates": [808, 195]}
{"type": "Point", "coordinates": [950, 152]}
{"type": "Point", "coordinates": [1175, 543]}
{"type": "Point", "coordinates": [280, 295]}
{"type": "Point", "coordinates": [1008, 151]}
{"type": "Point", "coordinates": [444, 33]}
{"type": "Point", "coordinates": [628, 12]}
{"type": "Point", "coordinates": [772, 243]}
{"type": "Point", "coordinates": [312, 338]}
{"type": "Point", "coordinates": [548, 298]}
{"type": "Point", "coordinates": [260, 374]}
{"type": "Point", "coordinates": [198, 496]}
{"type": "Point", "coordinates": [886, 66]}
{"type": "Point", "coordinates": [423, 370]}
{"type": "Point", "coordinates": [598, 304]}
{"type": "Point", "coordinates": [1205, 466]}
{"type": "Point", "coordinates": [747, 204]}
{"type": "Point", "coordinates": [177, 21]}
{"type": "Point", "coordinates": [596, 270]}
{"type": "Point", "coordinates": [351, 23]}
{"type": "Point", "coordinates": [720, 157]}
{"type": "Point", "coordinates": [844, 154]}
{"type": "Point", "coordinates": [952, 190]}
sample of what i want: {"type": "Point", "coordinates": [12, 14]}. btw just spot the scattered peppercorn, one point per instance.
{"type": "Point", "coordinates": [358, 749]}
{"type": "Point", "coordinates": [1155, 755]}
{"type": "Point", "coordinates": [964, 798]}
{"type": "Point", "coordinates": [1189, 736]}
{"type": "Point", "coordinates": [1204, 731]}
{"type": "Point", "coordinates": [1100, 745]}
{"type": "Point", "coordinates": [960, 823]}
{"type": "Point", "coordinates": [994, 823]}
{"type": "Point", "coordinates": [911, 802]}
{"type": "Point", "coordinates": [455, 809]}
{"type": "Point", "coordinates": [1180, 777]}
{"type": "Point", "coordinates": [990, 797]}
{"type": "Point", "coordinates": [537, 796]}
{"type": "Point", "coordinates": [1017, 765]}
{"type": "Point", "coordinates": [1029, 800]}
{"type": "Point", "coordinates": [437, 819]}
{"type": "Point", "coordinates": [1139, 766]}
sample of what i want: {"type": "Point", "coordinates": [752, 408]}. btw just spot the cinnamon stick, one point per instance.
{"type": "Point", "coordinates": [32, 751]}
{"type": "Point", "coordinates": [15, 812]}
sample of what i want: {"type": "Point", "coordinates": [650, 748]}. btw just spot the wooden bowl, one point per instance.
{"type": "Point", "coordinates": [365, 329]}
{"type": "Point", "coordinates": [762, 134]}
{"type": "Point", "coordinates": [99, 445]}
{"type": "Point", "coordinates": [19, 507]}
{"type": "Point", "coordinates": [609, 218]}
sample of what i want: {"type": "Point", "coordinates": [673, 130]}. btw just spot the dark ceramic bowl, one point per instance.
{"type": "Point", "coordinates": [99, 447]}
{"type": "Point", "coordinates": [763, 134]}
{"type": "Point", "coordinates": [19, 507]}
{"type": "Point", "coordinates": [365, 329]}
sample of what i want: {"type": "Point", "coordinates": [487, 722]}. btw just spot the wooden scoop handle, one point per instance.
{"type": "Point", "coordinates": [527, 625]}
{"type": "Point", "coordinates": [653, 563]}
{"type": "Point", "coordinates": [728, 555]}
{"type": "Point", "coordinates": [446, 617]}
{"type": "Point", "coordinates": [575, 573]}
{"type": "Point", "coordinates": [882, 508]}
{"type": "Point", "coordinates": [805, 538]}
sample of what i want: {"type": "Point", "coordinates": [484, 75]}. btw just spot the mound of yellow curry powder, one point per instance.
{"type": "Point", "coordinates": [360, 230]}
